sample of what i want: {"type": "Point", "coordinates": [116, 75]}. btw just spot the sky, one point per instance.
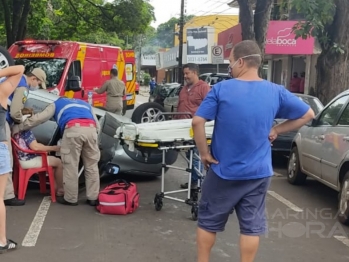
{"type": "Point", "coordinates": [165, 9]}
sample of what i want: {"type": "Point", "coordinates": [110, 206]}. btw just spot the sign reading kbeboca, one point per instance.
{"type": "Point", "coordinates": [217, 54]}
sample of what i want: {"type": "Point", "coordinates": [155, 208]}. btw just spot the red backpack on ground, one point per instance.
{"type": "Point", "coordinates": [118, 198]}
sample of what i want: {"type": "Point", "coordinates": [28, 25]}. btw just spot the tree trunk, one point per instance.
{"type": "Point", "coordinates": [333, 67]}
{"type": "Point", "coordinates": [7, 16]}
{"type": "Point", "coordinates": [17, 8]}
{"type": "Point", "coordinates": [246, 19]}
{"type": "Point", "coordinates": [261, 21]}
{"type": "Point", "coordinates": [16, 16]}
{"type": "Point", "coordinates": [22, 26]}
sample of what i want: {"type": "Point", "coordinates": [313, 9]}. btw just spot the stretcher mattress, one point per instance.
{"type": "Point", "coordinates": [164, 131]}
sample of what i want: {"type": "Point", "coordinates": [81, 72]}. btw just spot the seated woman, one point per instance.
{"type": "Point", "coordinates": [27, 140]}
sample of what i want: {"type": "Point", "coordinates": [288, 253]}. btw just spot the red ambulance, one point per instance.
{"type": "Point", "coordinates": [65, 61]}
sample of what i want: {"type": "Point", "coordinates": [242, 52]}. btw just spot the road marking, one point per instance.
{"type": "Point", "coordinates": [343, 239]}
{"type": "Point", "coordinates": [33, 233]}
{"type": "Point", "coordinates": [285, 201]}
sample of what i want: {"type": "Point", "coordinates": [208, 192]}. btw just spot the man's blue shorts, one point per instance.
{"type": "Point", "coordinates": [220, 197]}
{"type": "Point", "coordinates": [5, 159]}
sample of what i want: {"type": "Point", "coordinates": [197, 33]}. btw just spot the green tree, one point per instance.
{"type": "Point", "coordinates": [327, 20]}
{"type": "Point", "coordinates": [165, 33]}
{"type": "Point", "coordinates": [74, 19]}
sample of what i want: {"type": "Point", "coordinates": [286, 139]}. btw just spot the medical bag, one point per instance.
{"type": "Point", "coordinates": [118, 198]}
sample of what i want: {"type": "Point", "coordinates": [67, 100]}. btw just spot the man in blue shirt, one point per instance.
{"type": "Point", "coordinates": [152, 85]}
{"type": "Point", "coordinates": [239, 164]}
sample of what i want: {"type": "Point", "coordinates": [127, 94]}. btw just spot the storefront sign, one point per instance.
{"type": "Point", "coordinates": [197, 45]}
{"type": "Point", "coordinates": [229, 38]}
{"type": "Point", "coordinates": [170, 57]}
{"type": "Point", "coordinates": [148, 60]}
{"type": "Point", "coordinates": [281, 40]}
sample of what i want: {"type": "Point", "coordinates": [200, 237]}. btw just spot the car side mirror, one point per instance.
{"type": "Point", "coordinates": [74, 84]}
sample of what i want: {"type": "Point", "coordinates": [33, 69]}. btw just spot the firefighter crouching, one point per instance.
{"type": "Point", "coordinates": [79, 126]}
{"type": "Point", "coordinates": [16, 101]}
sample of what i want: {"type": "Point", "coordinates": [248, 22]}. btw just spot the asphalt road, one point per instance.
{"type": "Point", "coordinates": [302, 227]}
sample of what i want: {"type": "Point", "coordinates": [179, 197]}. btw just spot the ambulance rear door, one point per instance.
{"type": "Point", "coordinates": [130, 78]}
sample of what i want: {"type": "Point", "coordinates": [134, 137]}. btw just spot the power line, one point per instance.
{"type": "Point", "coordinates": [209, 7]}
{"type": "Point", "coordinates": [210, 11]}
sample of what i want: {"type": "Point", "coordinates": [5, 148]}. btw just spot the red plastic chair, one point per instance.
{"type": "Point", "coordinates": [21, 176]}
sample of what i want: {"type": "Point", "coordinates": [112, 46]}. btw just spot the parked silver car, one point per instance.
{"type": "Point", "coordinates": [214, 78]}
{"type": "Point", "coordinates": [321, 150]}
{"type": "Point", "coordinates": [171, 101]}
{"type": "Point", "coordinates": [112, 152]}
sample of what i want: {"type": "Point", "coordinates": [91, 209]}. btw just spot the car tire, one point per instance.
{"type": "Point", "coordinates": [343, 203]}
{"type": "Point", "coordinates": [5, 58]}
{"type": "Point", "coordinates": [294, 174]}
{"type": "Point", "coordinates": [147, 112]}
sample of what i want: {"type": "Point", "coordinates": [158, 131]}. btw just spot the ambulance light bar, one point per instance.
{"type": "Point", "coordinates": [42, 42]}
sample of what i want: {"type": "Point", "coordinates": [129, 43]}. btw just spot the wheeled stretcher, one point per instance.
{"type": "Point", "coordinates": [164, 136]}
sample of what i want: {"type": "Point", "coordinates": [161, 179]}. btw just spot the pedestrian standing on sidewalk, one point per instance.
{"type": "Point", "coordinates": [239, 164]}
{"type": "Point", "coordinates": [152, 86]}
{"type": "Point", "coordinates": [13, 74]}
{"type": "Point", "coordinates": [189, 100]}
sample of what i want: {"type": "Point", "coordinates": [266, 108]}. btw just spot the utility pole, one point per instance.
{"type": "Point", "coordinates": [140, 59]}
{"type": "Point", "coordinates": [180, 38]}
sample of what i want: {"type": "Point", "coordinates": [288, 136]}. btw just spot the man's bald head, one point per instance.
{"type": "Point", "coordinates": [249, 51]}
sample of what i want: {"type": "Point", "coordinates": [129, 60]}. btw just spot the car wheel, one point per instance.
{"type": "Point", "coordinates": [343, 207]}
{"type": "Point", "coordinates": [5, 58]}
{"type": "Point", "coordinates": [294, 174]}
{"type": "Point", "coordinates": [148, 112]}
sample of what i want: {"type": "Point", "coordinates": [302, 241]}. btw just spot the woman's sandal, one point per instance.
{"type": "Point", "coordinates": [11, 245]}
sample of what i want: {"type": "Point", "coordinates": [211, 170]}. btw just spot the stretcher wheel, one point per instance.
{"type": "Point", "coordinates": [194, 212]}
{"type": "Point", "coordinates": [158, 202]}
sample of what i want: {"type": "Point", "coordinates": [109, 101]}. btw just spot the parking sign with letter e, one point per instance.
{"type": "Point", "coordinates": [217, 54]}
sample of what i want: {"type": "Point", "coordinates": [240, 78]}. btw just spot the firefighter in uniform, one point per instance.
{"type": "Point", "coordinates": [16, 101]}
{"type": "Point", "coordinates": [115, 90]}
{"type": "Point", "coordinates": [79, 127]}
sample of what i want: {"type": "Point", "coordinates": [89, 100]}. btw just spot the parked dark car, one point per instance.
{"type": "Point", "coordinates": [161, 92]}
{"type": "Point", "coordinates": [282, 145]}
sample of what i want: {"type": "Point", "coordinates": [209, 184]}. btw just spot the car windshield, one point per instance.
{"type": "Point", "coordinates": [167, 89]}
{"type": "Point", "coordinates": [203, 77]}
{"type": "Point", "coordinates": [313, 102]}
{"type": "Point", "coordinates": [53, 68]}
{"type": "Point", "coordinates": [217, 79]}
